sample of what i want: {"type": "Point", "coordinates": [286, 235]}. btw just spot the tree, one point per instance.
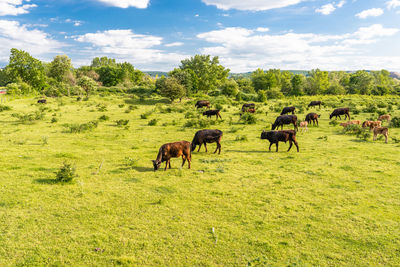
{"type": "Point", "coordinates": [286, 82]}
{"type": "Point", "coordinates": [207, 74]}
{"type": "Point", "coordinates": [361, 82]}
{"type": "Point", "coordinates": [170, 88]}
{"type": "Point", "coordinates": [184, 77]}
{"type": "Point", "coordinates": [60, 67]}
{"type": "Point", "coordinates": [102, 62]}
{"type": "Point", "coordinates": [110, 75]}
{"type": "Point", "coordinates": [230, 88]}
{"type": "Point", "coordinates": [263, 81]}
{"type": "Point", "coordinates": [245, 85]}
{"type": "Point", "coordinates": [87, 84]}
{"type": "Point", "coordinates": [317, 82]}
{"type": "Point", "coordinates": [29, 69]}
{"type": "Point", "coordinates": [297, 83]}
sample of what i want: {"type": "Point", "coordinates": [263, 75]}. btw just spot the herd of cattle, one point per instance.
{"type": "Point", "coordinates": [184, 148]}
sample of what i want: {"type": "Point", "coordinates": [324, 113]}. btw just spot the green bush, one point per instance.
{"type": "Point", "coordinates": [241, 138]}
{"type": "Point", "coordinates": [66, 173]}
{"type": "Point", "coordinates": [198, 123]}
{"type": "Point", "coordinates": [80, 128]}
{"type": "Point", "coordinates": [153, 122]}
{"type": "Point", "coordinates": [395, 122]}
{"type": "Point", "coordinates": [4, 108]}
{"type": "Point", "coordinates": [28, 118]}
{"type": "Point", "coordinates": [334, 123]}
{"type": "Point", "coordinates": [370, 109]}
{"type": "Point", "coordinates": [121, 122]}
{"type": "Point", "coordinates": [54, 120]}
{"type": "Point", "coordinates": [248, 118]}
{"type": "Point", "coordinates": [104, 118]}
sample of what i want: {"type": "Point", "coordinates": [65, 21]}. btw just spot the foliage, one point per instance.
{"type": "Point", "coordinates": [152, 122]}
{"type": "Point", "coordinates": [230, 88]}
{"type": "Point", "coordinates": [395, 122]}
{"type": "Point", "coordinates": [4, 108]}
{"type": "Point", "coordinates": [104, 118]}
{"type": "Point", "coordinates": [60, 68]}
{"type": "Point", "coordinates": [66, 173]}
{"type": "Point", "coordinates": [121, 122]}
{"type": "Point", "coordinates": [81, 128]}
{"type": "Point", "coordinates": [87, 84]}
{"type": "Point", "coordinates": [248, 118]}
{"type": "Point", "coordinates": [28, 118]}
{"type": "Point", "coordinates": [170, 88]}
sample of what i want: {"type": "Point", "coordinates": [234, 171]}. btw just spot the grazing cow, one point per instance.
{"type": "Point", "coordinates": [285, 119]}
{"type": "Point", "coordinates": [340, 111]}
{"type": "Point", "coordinates": [384, 118]}
{"type": "Point", "coordinates": [248, 106]}
{"type": "Point", "coordinates": [202, 103]}
{"type": "Point", "coordinates": [42, 101]}
{"type": "Point", "coordinates": [312, 117]}
{"type": "Point", "coordinates": [173, 150]}
{"type": "Point", "coordinates": [366, 124]}
{"type": "Point", "coordinates": [274, 137]}
{"type": "Point", "coordinates": [250, 110]}
{"type": "Point", "coordinates": [214, 112]}
{"type": "Point", "coordinates": [315, 103]}
{"type": "Point", "coordinates": [207, 136]}
{"type": "Point", "coordinates": [383, 131]}
{"type": "Point", "coordinates": [355, 122]}
{"type": "Point", "coordinates": [288, 110]}
{"type": "Point", "coordinates": [374, 124]}
{"type": "Point", "coordinates": [303, 126]}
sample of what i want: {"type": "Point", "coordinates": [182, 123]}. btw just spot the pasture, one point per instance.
{"type": "Point", "coordinates": [335, 203]}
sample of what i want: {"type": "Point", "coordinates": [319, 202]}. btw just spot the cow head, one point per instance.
{"type": "Point", "coordinates": [192, 146]}
{"type": "Point", "coordinates": [156, 164]}
{"type": "Point", "coordinates": [264, 135]}
{"type": "Point", "coordinates": [273, 126]}
{"type": "Point", "coordinates": [330, 116]}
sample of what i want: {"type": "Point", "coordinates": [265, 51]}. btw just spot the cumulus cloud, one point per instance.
{"type": "Point", "coordinates": [243, 49]}
{"type": "Point", "coordinates": [34, 41]}
{"type": "Point", "coordinates": [125, 45]}
{"type": "Point", "coordinates": [174, 44]}
{"type": "Point", "coordinates": [373, 12]}
{"type": "Point", "coordinates": [14, 7]}
{"type": "Point", "coordinates": [126, 3]}
{"type": "Point", "coordinates": [393, 4]}
{"type": "Point", "coordinates": [329, 8]}
{"type": "Point", "coordinates": [254, 5]}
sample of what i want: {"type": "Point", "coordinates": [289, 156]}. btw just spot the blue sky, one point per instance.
{"type": "Point", "coordinates": [245, 34]}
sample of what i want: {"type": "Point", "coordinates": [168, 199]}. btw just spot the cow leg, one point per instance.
{"type": "Point", "coordinates": [166, 165]}
{"type": "Point", "coordinates": [183, 160]}
{"type": "Point", "coordinates": [169, 163]}
{"type": "Point", "coordinates": [220, 116]}
{"type": "Point", "coordinates": [199, 147]}
{"type": "Point", "coordinates": [349, 116]}
{"type": "Point", "coordinates": [290, 145]}
{"type": "Point", "coordinates": [375, 137]}
{"type": "Point", "coordinates": [189, 159]}
{"type": "Point", "coordinates": [317, 123]}
{"type": "Point", "coordinates": [295, 143]}
{"type": "Point", "coordinates": [282, 127]}
{"type": "Point", "coordinates": [205, 145]}
{"type": "Point", "coordinates": [339, 118]}
{"type": "Point", "coordinates": [218, 147]}
{"type": "Point", "coordinates": [270, 144]}
{"type": "Point", "coordinates": [277, 146]}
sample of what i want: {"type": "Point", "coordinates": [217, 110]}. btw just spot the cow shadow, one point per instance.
{"type": "Point", "coordinates": [45, 181]}
{"type": "Point", "coordinates": [143, 169]}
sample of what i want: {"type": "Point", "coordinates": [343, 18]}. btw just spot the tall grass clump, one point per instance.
{"type": "Point", "coordinates": [80, 128]}
{"type": "Point", "coordinates": [28, 118]}
{"type": "Point", "coordinates": [4, 108]}
{"type": "Point", "coordinates": [66, 173]}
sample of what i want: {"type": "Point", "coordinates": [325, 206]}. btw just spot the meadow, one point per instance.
{"type": "Point", "coordinates": [335, 203]}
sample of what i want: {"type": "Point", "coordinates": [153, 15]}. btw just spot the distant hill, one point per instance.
{"type": "Point", "coordinates": [156, 73]}
{"type": "Point", "coordinates": [395, 75]}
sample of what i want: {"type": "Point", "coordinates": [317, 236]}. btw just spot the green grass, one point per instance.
{"type": "Point", "coordinates": [336, 203]}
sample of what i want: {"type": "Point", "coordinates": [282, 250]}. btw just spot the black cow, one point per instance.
{"type": "Point", "coordinates": [207, 136]}
{"type": "Point", "coordinates": [42, 101]}
{"type": "Point", "coordinates": [288, 110]}
{"type": "Point", "coordinates": [248, 106]}
{"type": "Point", "coordinates": [312, 117]}
{"type": "Point", "coordinates": [274, 137]}
{"type": "Point", "coordinates": [285, 119]}
{"type": "Point", "coordinates": [315, 103]}
{"type": "Point", "coordinates": [340, 111]}
{"type": "Point", "coordinates": [202, 103]}
{"type": "Point", "coordinates": [214, 112]}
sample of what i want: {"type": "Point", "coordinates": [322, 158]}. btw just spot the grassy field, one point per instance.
{"type": "Point", "coordinates": [336, 203]}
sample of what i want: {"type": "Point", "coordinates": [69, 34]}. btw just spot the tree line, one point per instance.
{"type": "Point", "coordinates": [198, 75]}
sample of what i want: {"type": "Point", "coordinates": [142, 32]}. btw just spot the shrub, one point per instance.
{"type": "Point", "coordinates": [121, 105]}
{"type": "Point", "coordinates": [190, 114]}
{"type": "Point", "coordinates": [54, 120]}
{"type": "Point", "coordinates": [241, 138]}
{"type": "Point", "coordinates": [104, 118]}
{"type": "Point", "coordinates": [370, 109]}
{"type": "Point", "coordinates": [66, 173]}
{"type": "Point", "coordinates": [248, 118]}
{"type": "Point", "coordinates": [121, 122]}
{"type": "Point", "coordinates": [261, 96]}
{"type": "Point", "coordinates": [153, 122]}
{"type": "Point", "coordinates": [218, 106]}
{"type": "Point", "coordinates": [395, 122]}
{"type": "Point", "coordinates": [101, 107]}
{"type": "Point", "coordinates": [80, 128]}
{"type": "Point", "coordinates": [197, 123]}
{"type": "Point", "coordinates": [334, 123]}
{"type": "Point", "coordinates": [28, 118]}
{"type": "Point", "coordinates": [4, 108]}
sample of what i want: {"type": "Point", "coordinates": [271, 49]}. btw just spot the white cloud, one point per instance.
{"type": "Point", "coordinates": [261, 29]}
{"type": "Point", "coordinates": [243, 49]}
{"type": "Point", "coordinates": [373, 12]}
{"type": "Point", "coordinates": [254, 5]}
{"type": "Point", "coordinates": [15, 35]}
{"type": "Point", "coordinates": [326, 9]}
{"type": "Point", "coordinates": [126, 3]}
{"type": "Point", "coordinates": [14, 7]}
{"type": "Point", "coordinates": [393, 4]}
{"type": "Point", "coordinates": [330, 8]}
{"type": "Point", "coordinates": [125, 45]}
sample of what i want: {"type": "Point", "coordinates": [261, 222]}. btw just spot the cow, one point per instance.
{"type": "Point", "coordinates": [288, 110]}
{"type": "Point", "coordinates": [249, 110]}
{"type": "Point", "coordinates": [207, 136]}
{"type": "Point", "coordinates": [285, 119]}
{"type": "Point", "coordinates": [312, 117]}
{"type": "Point", "coordinates": [42, 101]}
{"type": "Point", "coordinates": [202, 103]}
{"type": "Point", "coordinates": [303, 126]}
{"type": "Point", "coordinates": [371, 124]}
{"type": "Point", "coordinates": [383, 131]}
{"type": "Point", "coordinates": [214, 112]}
{"type": "Point", "coordinates": [340, 111]}
{"type": "Point", "coordinates": [248, 106]}
{"type": "Point", "coordinates": [274, 137]}
{"type": "Point", "coordinates": [315, 103]}
{"type": "Point", "coordinates": [173, 150]}
{"type": "Point", "coordinates": [386, 117]}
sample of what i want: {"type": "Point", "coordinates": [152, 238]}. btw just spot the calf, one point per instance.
{"type": "Point", "coordinates": [384, 118]}
{"type": "Point", "coordinates": [285, 119]}
{"type": "Point", "coordinates": [344, 124]}
{"type": "Point", "coordinates": [288, 110]}
{"type": "Point", "coordinates": [202, 103]}
{"type": "Point", "coordinates": [340, 111]}
{"type": "Point", "coordinates": [315, 103]}
{"type": "Point", "coordinates": [274, 137]}
{"type": "Point", "coordinates": [210, 113]}
{"type": "Point", "coordinates": [303, 126]}
{"type": "Point", "coordinates": [207, 136]}
{"type": "Point", "coordinates": [312, 117]}
{"type": "Point", "coordinates": [42, 101]}
{"type": "Point", "coordinates": [248, 106]}
{"type": "Point", "coordinates": [383, 131]}
{"type": "Point", "coordinates": [173, 150]}
{"type": "Point", "coordinates": [371, 124]}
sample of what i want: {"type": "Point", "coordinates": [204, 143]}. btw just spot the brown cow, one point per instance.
{"type": "Point", "coordinates": [383, 131]}
{"type": "Point", "coordinates": [303, 126]}
{"type": "Point", "coordinates": [210, 113]}
{"type": "Point", "coordinates": [202, 103]}
{"type": "Point", "coordinates": [384, 118]}
{"type": "Point", "coordinates": [312, 117]}
{"type": "Point", "coordinates": [173, 150]}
